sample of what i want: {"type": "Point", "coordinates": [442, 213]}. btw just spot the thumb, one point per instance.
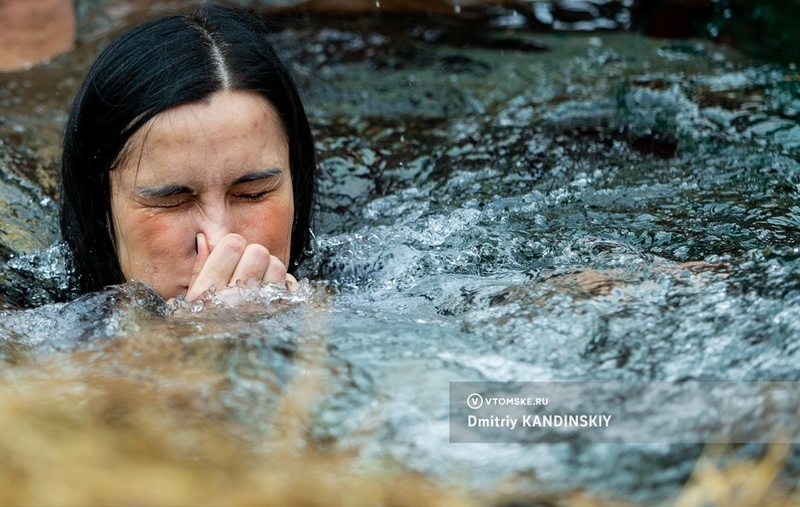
{"type": "Point", "coordinates": [203, 251]}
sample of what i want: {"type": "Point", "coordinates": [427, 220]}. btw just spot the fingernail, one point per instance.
{"type": "Point", "coordinates": [195, 244]}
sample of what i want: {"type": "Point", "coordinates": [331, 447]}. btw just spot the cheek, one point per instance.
{"type": "Point", "coordinates": [157, 242]}
{"type": "Point", "coordinates": [157, 229]}
{"type": "Point", "coordinates": [271, 226]}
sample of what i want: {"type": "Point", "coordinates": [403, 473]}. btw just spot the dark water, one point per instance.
{"type": "Point", "coordinates": [506, 207]}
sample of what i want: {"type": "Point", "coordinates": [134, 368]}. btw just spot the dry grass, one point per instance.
{"type": "Point", "coordinates": [741, 484]}
{"type": "Point", "coordinates": [117, 448]}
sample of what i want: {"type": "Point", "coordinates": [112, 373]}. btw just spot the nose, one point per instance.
{"type": "Point", "coordinates": [215, 222]}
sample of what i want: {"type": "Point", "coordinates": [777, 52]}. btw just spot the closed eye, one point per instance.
{"type": "Point", "coordinates": [167, 196]}
{"type": "Point", "coordinates": [252, 197]}
{"type": "Point", "coordinates": [168, 205]}
{"type": "Point", "coordinates": [257, 185]}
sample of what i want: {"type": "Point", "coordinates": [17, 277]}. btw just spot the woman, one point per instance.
{"type": "Point", "coordinates": [188, 159]}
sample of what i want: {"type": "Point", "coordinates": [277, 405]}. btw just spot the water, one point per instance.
{"type": "Point", "coordinates": [499, 207]}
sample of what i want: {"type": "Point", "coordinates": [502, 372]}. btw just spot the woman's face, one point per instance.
{"type": "Point", "coordinates": [212, 170]}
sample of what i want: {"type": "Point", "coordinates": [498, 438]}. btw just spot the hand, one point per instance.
{"type": "Point", "coordinates": [233, 260]}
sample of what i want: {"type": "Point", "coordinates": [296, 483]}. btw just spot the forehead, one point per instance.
{"type": "Point", "coordinates": [222, 114]}
{"type": "Point", "coordinates": [228, 130]}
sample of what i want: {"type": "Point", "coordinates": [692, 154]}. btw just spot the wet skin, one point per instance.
{"type": "Point", "coordinates": [203, 196]}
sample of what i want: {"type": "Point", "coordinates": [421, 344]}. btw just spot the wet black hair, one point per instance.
{"type": "Point", "coordinates": [149, 69]}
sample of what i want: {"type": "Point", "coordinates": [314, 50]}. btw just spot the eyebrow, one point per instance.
{"type": "Point", "coordinates": [259, 175]}
{"type": "Point", "coordinates": [164, 190]}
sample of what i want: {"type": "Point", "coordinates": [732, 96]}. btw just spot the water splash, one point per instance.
{"type": "Point", "coordinates": [252, 296]}
{"type": "Point", "coordinates": [49, 265]}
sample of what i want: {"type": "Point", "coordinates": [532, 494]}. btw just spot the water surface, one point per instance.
{"type": "Point", "coordinates": [508, 207]}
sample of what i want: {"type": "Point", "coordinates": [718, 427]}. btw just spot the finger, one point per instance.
{"type": "Point", "coordinates": [276, 271]}
{"type": "Point", "coordinates": [291, 283]}
{"type": "Point", "coordinates": [253, 264]}
{"type": "Point", "coordinates": [220, 265]}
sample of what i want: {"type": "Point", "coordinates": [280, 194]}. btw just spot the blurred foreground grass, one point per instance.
{"type": "Point", "coordinates": [76, 434]}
